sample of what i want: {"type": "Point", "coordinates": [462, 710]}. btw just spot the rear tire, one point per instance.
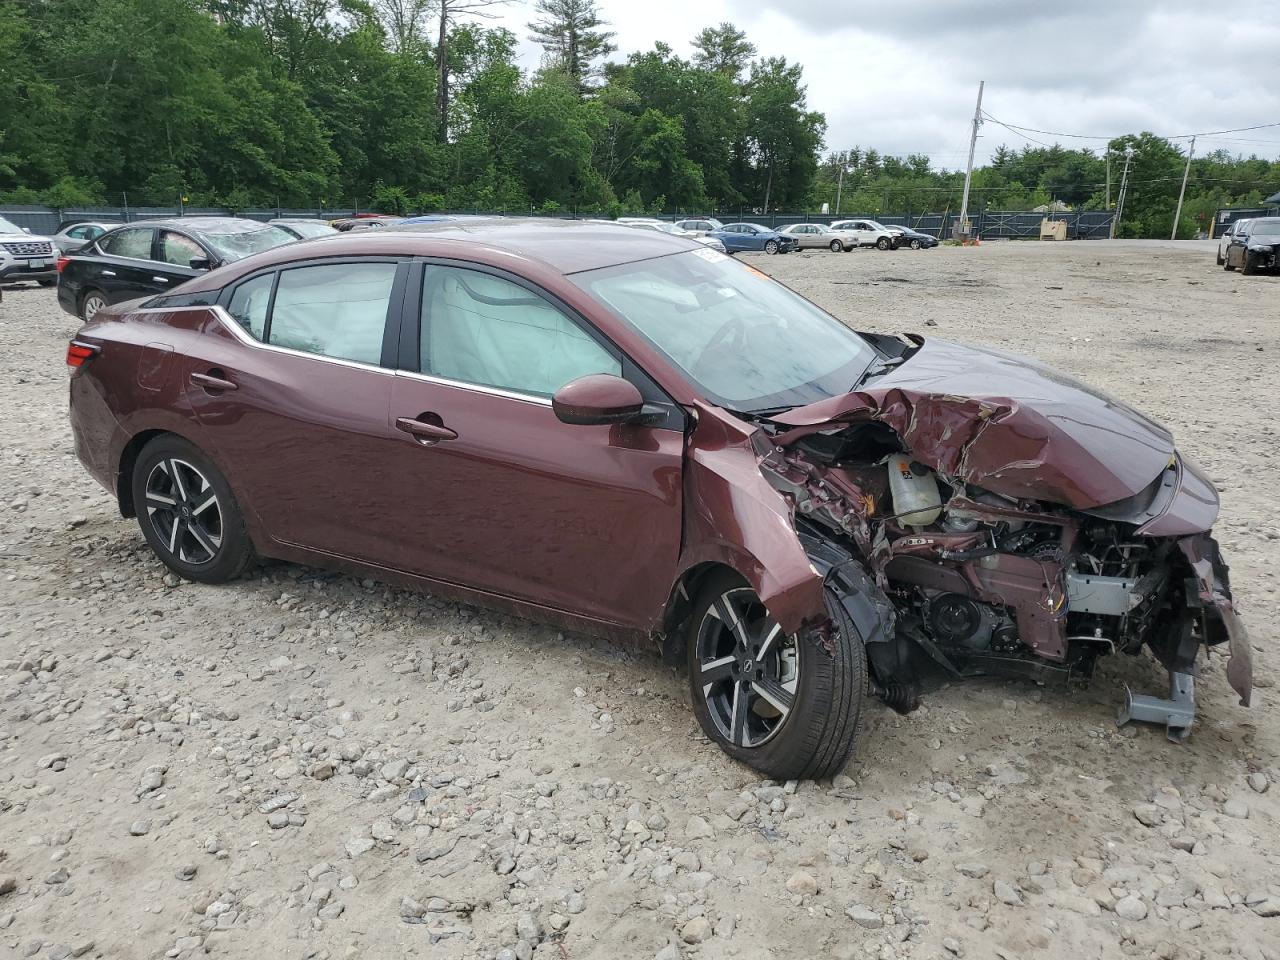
{"type": "Point", "coordinates": [187, 512]}
{"type": "Point", "coordinates": [1220, 259]}
{"type": "Point", "coordinates": [91, 301]}
{"type": "Point", "coordinates": [816, 735]}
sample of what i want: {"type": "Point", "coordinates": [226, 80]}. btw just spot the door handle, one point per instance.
{"type": "Point", "coordinates": [426, 432]}
{"type": "Point", "coordinates": [160, 279]}
{"type": "Point", "coordinates": [210, 382]}
{"type": "Point", "coordinates": [108, 273]}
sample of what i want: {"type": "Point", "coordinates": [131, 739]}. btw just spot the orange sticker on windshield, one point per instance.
{"type": "Point", "coordinates": [759, 273]}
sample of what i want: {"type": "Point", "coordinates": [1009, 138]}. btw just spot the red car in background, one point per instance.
{"type": "Point", "coordinates": [633, 435]}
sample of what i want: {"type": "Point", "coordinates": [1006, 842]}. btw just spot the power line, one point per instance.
{"type": "Point", "coordinates": [1017, 128]}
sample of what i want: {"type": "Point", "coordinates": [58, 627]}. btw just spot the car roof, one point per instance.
{"type": "Point", "coordinates": [216, 225]}
{"type": "Point", "coordinates": [560, 246]}
{"type": "Point", "coordinates": [747, 223]}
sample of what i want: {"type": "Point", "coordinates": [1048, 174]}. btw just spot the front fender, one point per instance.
{"type": "Point", "coordinates": [735, 518]}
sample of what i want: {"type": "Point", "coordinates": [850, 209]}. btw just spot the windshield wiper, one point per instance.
{"type": "Point", "coordinates": [877, 368]}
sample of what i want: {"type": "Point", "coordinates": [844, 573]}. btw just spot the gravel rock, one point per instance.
{"type": "Point", "coordinates": [864, 916]}
{"type": "Point", "coordinates": [695, 930]}
{"type": "Point", "coordinates": [1131, 908]}
{"type": "Point", "coordinates": [1007, 893]}
{"type": "Point", "coordinates": [802, 884]}
{"type": "Point", "coordinates": [140, 828]}
{"type": "Point", "coordinates": [1236, 808]}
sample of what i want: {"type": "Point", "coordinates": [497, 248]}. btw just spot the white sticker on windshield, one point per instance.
{"type": "Point", "coordinates": [712, 256]}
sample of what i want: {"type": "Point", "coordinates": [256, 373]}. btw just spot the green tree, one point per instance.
{"type": "Point", "coordinates": [570, 32]}
{"type": "Point", "coordinates": [723, 49]}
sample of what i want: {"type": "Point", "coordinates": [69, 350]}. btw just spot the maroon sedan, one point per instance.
{"type": "Point", "coordinates": [633, 435]}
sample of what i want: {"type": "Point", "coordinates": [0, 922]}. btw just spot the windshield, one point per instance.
{"type": "Point", "coordinates": [745, 341]}
{"type": "Point", "coordinates": [236, 246]}
{"type": "Point", "coordinates": [311, 229]}
{"type": "Point", "coordinates": [1265, 228]}
{"type": "Point", "coordinates": [7, 226]}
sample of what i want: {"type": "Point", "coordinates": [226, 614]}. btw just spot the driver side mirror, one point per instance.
{"type": "Point", "coordinates": [201, 263]}
{"type": "Point", "coordinates": [598, 398]}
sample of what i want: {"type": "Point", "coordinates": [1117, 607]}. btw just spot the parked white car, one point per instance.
{"type": "Point", "coordinates": [663, 226]}
{"type": "Point", "coordinates": [870, 233]}
{"type": "Point", "coordinates": [818, 235]}
{"type": "Point", "coordinates": [1240, 226]}
{"type": "Point", "coordinates": [73, 236]}
{"type": "Point", "coordinates": [700, 225]}
{"type": "Point", "coordinates": [25, 256]}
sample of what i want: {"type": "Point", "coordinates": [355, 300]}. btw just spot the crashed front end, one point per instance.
{"type": "Point", "coordinates": [991, 531]}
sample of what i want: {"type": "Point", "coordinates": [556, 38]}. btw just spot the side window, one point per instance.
{"type": "Point", "coordinates": [249, 304]}
{"type": "Point", "coordinates": [337, 310]}
{"type": "Point", "coordinates": [481, 329]}
{"type": "Point", "coordinates": [179, 250]}
{"type": "Point", "coordinates": [78, 233]}
{"type": "Point", "coordinates": [93, 233]}
{"type": "Point", "coordinates": [134, 243]}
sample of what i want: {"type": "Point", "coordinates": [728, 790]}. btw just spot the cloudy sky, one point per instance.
{"type": "Point", "coordinates": [902, 77]}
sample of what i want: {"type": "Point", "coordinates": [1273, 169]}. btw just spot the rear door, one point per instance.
{"type": "Point", "coordinates": [509, 499]}
{"type": "Point", "coordinates": [123, 271]}
{"type": "Point", "coordinates": [292, 391]}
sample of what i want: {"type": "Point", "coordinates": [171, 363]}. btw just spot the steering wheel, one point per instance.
{"type": "Point", "coordinates": [725, 343]}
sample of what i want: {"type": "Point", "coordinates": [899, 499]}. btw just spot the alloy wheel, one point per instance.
{"type": "Point", "coordinates": [748, 669]}
{"type": "Point", "coordinates": [92, 304]}
{"type": "Point", "coordinates": [183, 510]}
{"type": "Point", "coordinates": [771, 247]}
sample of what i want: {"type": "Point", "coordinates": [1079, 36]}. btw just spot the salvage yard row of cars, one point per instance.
{"type": "Point", "coordinates": [677, 450]}
{"type": "Point", "coordinates": [97, 263]}
{"type": "Point", "coordinates": [1251, 245]}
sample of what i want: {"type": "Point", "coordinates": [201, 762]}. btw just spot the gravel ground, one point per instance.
{"type": "Point", "coordinates": [306, 765]}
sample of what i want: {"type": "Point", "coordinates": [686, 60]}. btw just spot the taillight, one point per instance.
{"type": "Point", "coordinates": [78, 354]}
{"type": "Point", "coordinates": [62, 262]}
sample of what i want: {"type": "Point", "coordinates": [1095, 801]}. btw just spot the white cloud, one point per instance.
{"type": "Point", "coordinates": [902, 77]}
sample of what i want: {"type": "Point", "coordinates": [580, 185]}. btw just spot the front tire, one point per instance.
{"type": "Point", "coordinates": [1246, 265]}
{"type": "Point", "coordinates": [837, 246]}
{"type": "Point", "coordinates": [187, 513]}
{"type": "Point", "coordinates": [915, 244]}
{"type": "Point", "coordinates": [771, 247]}
{"type": "Point", "coordinates": [883, 243]}
{"type": "Point", "coordinates": [784, 705]}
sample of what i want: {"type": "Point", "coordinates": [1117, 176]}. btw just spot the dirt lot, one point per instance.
{"type": "Point", "coordinates": [305, 765]}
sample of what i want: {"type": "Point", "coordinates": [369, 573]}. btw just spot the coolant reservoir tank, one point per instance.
{"type": "Point", "coordinates": [916, 500]}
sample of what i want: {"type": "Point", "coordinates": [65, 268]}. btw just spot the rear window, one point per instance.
{"type": "Point", "coordinates": [134, 242]}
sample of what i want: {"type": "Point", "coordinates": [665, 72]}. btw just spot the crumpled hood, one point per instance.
{"type": "Point", "coordinates": [1004, 422]}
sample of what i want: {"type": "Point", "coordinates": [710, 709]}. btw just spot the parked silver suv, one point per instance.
{"type": "Point", "coordinates": [26, 257]}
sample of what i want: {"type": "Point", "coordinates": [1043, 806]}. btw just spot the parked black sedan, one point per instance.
{"type": "Point", "coordinates": [154, 256]}
{"type": "Point", "coordinates": [1255, 247]}
{"type": "Point", "coordinates": [915, 239]}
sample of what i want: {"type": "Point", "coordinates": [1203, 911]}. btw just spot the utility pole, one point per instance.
{"type": "Point", "coordinates": [1181, 193]}
{"type": "Point", "coordinates": [1108, 206]}
{"type": "Point", "coordinates": [968, 173]}
{"type": "Point", "coordinates": [1124, 189]}
{"type": "Point", "coordinates": [844, 159]}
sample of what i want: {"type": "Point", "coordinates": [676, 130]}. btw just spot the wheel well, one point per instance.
{"type": "Point", "coordinates": [124, 475]}
{"type": "Point", "coordinates": [680, 605]}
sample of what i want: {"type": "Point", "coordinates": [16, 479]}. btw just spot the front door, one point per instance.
{"type": "Point", "coordinates": [501, 495]}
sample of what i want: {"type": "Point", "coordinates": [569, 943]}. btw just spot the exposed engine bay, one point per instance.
{"type": "Point", "coordinates": [980, 581]}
